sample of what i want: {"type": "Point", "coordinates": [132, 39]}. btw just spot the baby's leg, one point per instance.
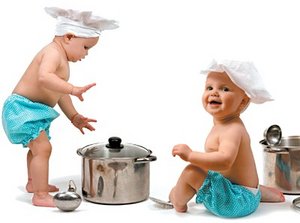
{"type": "Point", "coordinates": [187, 186]}
{"type": "Point", "coordinates": [270, 194]}
{"type": "Point", "coordinates": [29, 187]}
{"type": "Point", "coordinates": [41, 151]}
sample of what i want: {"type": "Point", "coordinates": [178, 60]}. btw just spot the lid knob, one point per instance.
{"type": "Point", "coordinates": [114, 143]}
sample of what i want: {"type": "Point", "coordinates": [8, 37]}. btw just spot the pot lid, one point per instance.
{"type": "Point", "coordinates": [113, 149]}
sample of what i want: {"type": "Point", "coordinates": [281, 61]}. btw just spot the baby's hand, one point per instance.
{"type": "Point", "coordinates": [181, 150]}
{"type": "Point", "coordinates": [78, 91]}
{"type": "Point", "coordinates": [80, 122]}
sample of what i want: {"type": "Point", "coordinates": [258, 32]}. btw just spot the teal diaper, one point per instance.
{"type": "Point", "coordinates": [23, 120]}
{"type": "Point", "coordinates": [225, 199]}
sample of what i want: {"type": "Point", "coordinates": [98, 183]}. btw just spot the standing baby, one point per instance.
{"type": "Point", "coordinates": [28, 112]}
{"type": "Point", "coordinates": [224, 177]}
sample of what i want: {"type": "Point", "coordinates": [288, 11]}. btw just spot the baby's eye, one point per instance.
{"type": "Point", "coordinates": [86, 48]}
{"type": "Point", "coordinates": [225, 89]}
{"type": "Point", "coordinates": [209, 88]}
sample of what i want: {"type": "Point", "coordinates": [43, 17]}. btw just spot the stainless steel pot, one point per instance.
{"type": "Point", "coordinates": [282, 164]}
{"type": "Point", "coordinates": [115, 173]}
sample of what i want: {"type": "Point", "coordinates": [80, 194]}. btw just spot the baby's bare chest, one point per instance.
{"type": "Point", "coordinates": [212, 142]}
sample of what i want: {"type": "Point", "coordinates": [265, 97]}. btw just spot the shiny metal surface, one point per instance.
{"type": "Point", "coordinates": [115, 173]}
{"type": "Point", "coordinates": [161, 203]}
{"type": "Point", "coordinates": [113, 149]}
{"type": "Point", "coordinates": [296, 203]}
{"type": "Point", "coordinates": [115, 181]}
{"type": "Point", "coordinates": [69, 200]}
{"type": "Point", "coordinates": [282, 165]}
{"type": "Point", "coordinates": [273, 135]}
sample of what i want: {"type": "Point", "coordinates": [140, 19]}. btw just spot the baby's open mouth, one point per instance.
{"type": "Point", "coordinates": [215, 102]}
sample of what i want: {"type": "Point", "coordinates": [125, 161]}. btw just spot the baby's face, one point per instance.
{"type": "Point", "coordinates": [78, 47]}
{"type": "Point", "coordinates": [221, 97]}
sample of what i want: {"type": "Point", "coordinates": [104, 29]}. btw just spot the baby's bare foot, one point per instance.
{"type": "Point", "coordinates": [51, 188]}
{"type": "Point", "coordinates": [44, 200]}
{"type": "Point", "coordinates": [270, 194]}
{"type": "Point", "coordinates": [178, 208]}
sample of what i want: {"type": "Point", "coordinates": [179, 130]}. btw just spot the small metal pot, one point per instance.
{"type": "Point", "coordinates": [282, 164]}
{"type": "Point", "coordinates": [68, 200]}
{"type": "Point", "coordinates": [115, 173]}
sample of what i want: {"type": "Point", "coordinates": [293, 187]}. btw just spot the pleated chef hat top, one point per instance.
{"type": "Point", "coordinates": [245, 75]}
{"type": "Point", "coordinates": [79, 23]}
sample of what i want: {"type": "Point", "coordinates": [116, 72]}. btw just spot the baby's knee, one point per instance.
{"type": "Point", "coordinates": [41, 147]}
{"type": "Point", "coordinates": [194, 176]}
{"type": "Point", "coordinates": [192, 170]}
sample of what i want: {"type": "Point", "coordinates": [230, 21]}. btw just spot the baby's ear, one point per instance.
{"type": "Point", "coordinates": [244, 104]}
{"type": "Point", "coordinates": [68, 36]}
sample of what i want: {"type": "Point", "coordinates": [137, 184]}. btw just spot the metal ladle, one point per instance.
{"type": "Point", "coordinates": [273, 135]}
{"type": "Point", "coordinates": [161, 203]}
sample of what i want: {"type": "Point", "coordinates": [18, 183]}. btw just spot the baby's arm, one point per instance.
{"type": "Point", "coordinates": [53, 75]}
{"type": "Point", "coordinates": [78, 91]}
{"type": "Point", "coordinates": [66, 105]}
{"type": "Point", "coordinates": [220, 158]}
{"type": "Point", "coordinates": [79, 121]}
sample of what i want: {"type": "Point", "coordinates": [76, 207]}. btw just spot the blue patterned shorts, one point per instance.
{"type": "Point", "coordinates": [23, 120]}
{"type": "Point", "coordinates": [225, 199]}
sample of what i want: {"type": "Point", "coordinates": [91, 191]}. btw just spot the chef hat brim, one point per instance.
{"type": "Point", "coordinates": [245, 75]}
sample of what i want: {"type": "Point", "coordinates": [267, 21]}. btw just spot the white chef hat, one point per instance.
{"type": "Point", "coordinates": [79, 23]}
{"type": "Point", "coordinates": [245, 75]}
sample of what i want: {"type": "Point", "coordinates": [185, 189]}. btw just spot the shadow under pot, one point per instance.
{"type": "Point", "coordinates": [115, 173]}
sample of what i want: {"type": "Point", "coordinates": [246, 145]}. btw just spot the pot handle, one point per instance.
{"type": "Point", "coordinates": [296, 203]}
{"type": "Point", "coordinates": [145, 159]}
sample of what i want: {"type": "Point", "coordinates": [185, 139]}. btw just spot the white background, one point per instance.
{"type": "Point", "coordinates": [149, 91]}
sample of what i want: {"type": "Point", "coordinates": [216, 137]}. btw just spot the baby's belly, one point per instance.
{"type": "Point", "coordinates": [47, 98]}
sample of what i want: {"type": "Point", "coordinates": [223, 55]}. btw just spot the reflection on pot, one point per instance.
{"type": "Point", "coordinates": [287, 170]}
{"type": "Point", "coordinates": [113, 183]}
{"type": "Point", "coordinates": [283, 171]}
{"type": "Point", "coordinates": [115, 173]}
{"type": "Point", "coordinates": [282, 165]}
{"type": "Point", "coordinates": [116, 166]}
